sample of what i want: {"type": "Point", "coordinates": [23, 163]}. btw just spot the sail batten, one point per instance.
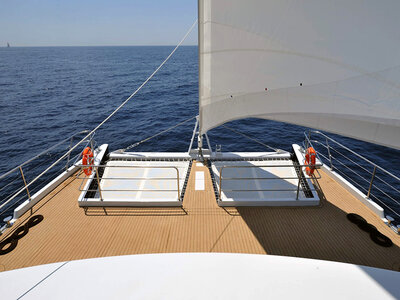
{"type": "Point", "coordinates": [329, 65]}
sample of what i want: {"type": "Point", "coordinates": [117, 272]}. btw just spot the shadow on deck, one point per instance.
{"type": "Point", "coordinates": [69, 232]}
{"type": "Point", "coordinates": [322, 232]}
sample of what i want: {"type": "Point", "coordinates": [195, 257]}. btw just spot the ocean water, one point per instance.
{"type": "Point", "coordinates": [49, 93]}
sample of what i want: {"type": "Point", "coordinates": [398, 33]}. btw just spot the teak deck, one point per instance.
{"type": "Point", "coordinates": [69, 232]}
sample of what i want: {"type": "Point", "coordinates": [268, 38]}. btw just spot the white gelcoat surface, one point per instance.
{"type": "Point", "coordinates": [199, 181]}
{"type": "Point", "coordinates": [260, 183]}
{"type": "Point", "coordinates": [200, 276]}
{"type": "Point", "coordinates": [151, 180]}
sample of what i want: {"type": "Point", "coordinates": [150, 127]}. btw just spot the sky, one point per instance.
{"type": "Point", "coordinates": [96, 22]}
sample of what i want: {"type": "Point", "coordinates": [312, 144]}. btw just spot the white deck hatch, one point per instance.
{"type": "Point", "coordinates": [140, 183]}
{"type": "Point", "coordinates": [262, 183]}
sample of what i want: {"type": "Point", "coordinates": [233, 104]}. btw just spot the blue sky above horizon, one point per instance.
{"type": "Point", "coordinates": [96, 22]}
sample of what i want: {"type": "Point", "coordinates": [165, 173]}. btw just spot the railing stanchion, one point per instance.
{"type": "Point", "coordinates": [69, 153]}
{"type": "Point", "coordinates": [329, 153]}
{"type": "Point", "coordinates": [98, 183]}
{"type": "Point", "coordinates": [372, 180]}
{"type": "Point", "coordinates": [177, 177]}
{"type": "Point", "coordinates": [298, 189]}
{"type": "Point", "coordinates": [27, 185]}
{"type": "Point", "coordinates": [23, 178]}
{"type": "Point", "coordinates": [220, 184]}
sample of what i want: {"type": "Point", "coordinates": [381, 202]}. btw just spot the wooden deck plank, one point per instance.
{"type": "Point", "coordinates": [69, 232]}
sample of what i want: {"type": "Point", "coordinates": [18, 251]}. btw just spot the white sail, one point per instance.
{"type": "Point", "coordinates": [330, 65]}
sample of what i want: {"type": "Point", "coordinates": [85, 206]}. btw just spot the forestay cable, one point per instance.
{"type": "Point", "coordinates": [147, 80]}
{"type": "Point", "coordinates": [109, 116]}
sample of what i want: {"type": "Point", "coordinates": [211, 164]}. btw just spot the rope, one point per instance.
{"type": "Point", "coordinates": [253, 139]}
{"type": "Point", "coordinates": [106, 119]}
{"type": "Point", "coordinates": [149, 138]}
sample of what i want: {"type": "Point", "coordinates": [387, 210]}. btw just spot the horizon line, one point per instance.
{"type": "Point", "coordinates": [172, 45]}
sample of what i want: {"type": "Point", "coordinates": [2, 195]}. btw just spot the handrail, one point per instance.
{"type": "Point", "coordinates": [356, 154]}
{"type": "Point", "coordinates": [94, 166]}
{"type": "Point", "coordinates": [309, 143]}
{"type": "Point", "coordinates": [374, 176]}
{"type": "Point", "coordinates": [41, 153]}
{"type": "Point", "coordinates": [275, 166]}
{"type": "Point", "coordinates": [364, 178]}
{"type": "Point", "coordinates": [19, 167]}
{"type": "Point", "coordinates": [358, 165]}
{"type": "Point", "coordinates": [268, 166]}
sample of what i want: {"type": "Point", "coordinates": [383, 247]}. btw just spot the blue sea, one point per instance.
{"type": "Point", "coordinates": [49, 93]}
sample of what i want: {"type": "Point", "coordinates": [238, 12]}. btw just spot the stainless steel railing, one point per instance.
{"type": "Point", "coordinates": [10, 198]}
{"type": "Point", "coordinates": [308, 143]}
{"type": "Point", "coordinates": [99, 179]}
{"type": "Point", "coordinates": [299, 176]}
{"type": "Point", "coordinates": [370, 178]}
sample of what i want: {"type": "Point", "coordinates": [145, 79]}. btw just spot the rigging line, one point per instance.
{"type": "Point", "coordinates": [253, 139]}
{"type": "Point", "coordinates": [113, 113]}
{"type": "Point", "coordinates": [41, 153]}
{"type": "Point", "coordinates": [147, 80]}
{"type": "Point", "coordinates": [149, 138]}
{"type": "Point", "coordinates": [18, 178]}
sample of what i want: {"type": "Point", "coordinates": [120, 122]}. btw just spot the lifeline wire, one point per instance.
{"type": "Point", "coordinates": [113, 113]}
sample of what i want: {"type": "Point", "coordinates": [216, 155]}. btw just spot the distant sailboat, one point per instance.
{"type": "Point", "coordinates": [8, 45]}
